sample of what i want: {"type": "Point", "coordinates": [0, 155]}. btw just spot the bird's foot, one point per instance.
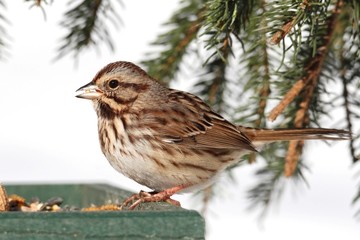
{"type": "Point", "coordinates": [163, 196]}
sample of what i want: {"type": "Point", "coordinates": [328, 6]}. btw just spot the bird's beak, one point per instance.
{"type": "Point", "coordinates": [89, 91]}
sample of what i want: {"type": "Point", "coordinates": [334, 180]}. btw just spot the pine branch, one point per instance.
{"type": "Point", "coordinates": [307, 31]}
{"type": "Point", "coordinates": [301, 8]}
{"type": "Point", "coordinates": [223, 20]}
{"type": "Point", "coordinates": [309, 81]}
{"type": "Point", "coordinates": [313, 67]}
{"type": "Point", "coordinates": [86, 22]}
{"type": "Point", "coordinates": [301, 120]}
{"type": "Point", "coordinates": [287, 19]}
{"type": "Point", "coordinates": [310, 68]}
{"type": "Point", "coordinates": [184, 27]}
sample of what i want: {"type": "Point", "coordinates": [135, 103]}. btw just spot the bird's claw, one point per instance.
{"type": "Point", "coordinates": [142, 196]}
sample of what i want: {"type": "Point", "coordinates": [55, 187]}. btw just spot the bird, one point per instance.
{"type": "Point", "coordinates": [169, 140]}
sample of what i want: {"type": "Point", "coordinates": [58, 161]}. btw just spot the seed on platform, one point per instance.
{"type": "Point", "coordinates": [16, 202]}
{"type": "Point", "coordinates": [50, 203]}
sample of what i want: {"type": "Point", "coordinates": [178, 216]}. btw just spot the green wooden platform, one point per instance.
{"type": "Point", "coordinates": [149, 221]}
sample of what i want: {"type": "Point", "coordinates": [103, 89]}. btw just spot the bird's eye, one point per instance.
{"type": "Point", "coordinates": [113, 84]}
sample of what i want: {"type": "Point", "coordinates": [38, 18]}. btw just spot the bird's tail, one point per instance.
{"type": "Point", "coordinates": [270, 135]}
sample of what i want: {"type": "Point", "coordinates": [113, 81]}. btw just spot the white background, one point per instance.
{"type": "Point", "coordinates": [48, 135]}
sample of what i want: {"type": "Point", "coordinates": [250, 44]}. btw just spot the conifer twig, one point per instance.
{"type": "Point", "coordinates": [280, 35]}
{"type": "Point", "coordinates": [264, 91]}
{"type": "Point", "coordinates": [313, 69]}
{"type": "Point", "coordinates": [292, 157]}
{"type": "Point", "coordinates": [287, 99]}
{"type": "Point", "coordinates": [301, 119]}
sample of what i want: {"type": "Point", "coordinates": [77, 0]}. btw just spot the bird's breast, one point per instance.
{"type": "Point", "coordinates": [138, 154]}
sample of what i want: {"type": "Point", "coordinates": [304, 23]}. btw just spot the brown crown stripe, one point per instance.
{"type": "Point", "coordinates": [120, 64]}
{"type": "Point", "coordinates": [108, 68]}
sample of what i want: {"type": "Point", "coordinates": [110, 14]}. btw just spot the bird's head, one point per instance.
{"type": "Point", "coordinates": [117, 87]}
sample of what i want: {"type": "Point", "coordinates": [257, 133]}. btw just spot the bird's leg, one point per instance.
{"type": "Point", "coordinates": [163, 196]}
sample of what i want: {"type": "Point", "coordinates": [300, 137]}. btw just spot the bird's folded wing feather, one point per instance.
{"type": "Point", "coordinates": [186, 120]}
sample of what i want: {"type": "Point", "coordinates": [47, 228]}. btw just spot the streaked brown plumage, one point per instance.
{"type": "Point", "coordinates": [170, 140]}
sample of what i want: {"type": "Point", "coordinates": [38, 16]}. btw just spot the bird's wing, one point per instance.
{"type": "Point", "coordinates": [186, 120]}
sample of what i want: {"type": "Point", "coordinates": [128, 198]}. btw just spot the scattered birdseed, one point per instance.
{"type": "Point", "coordinates": [17, 203]}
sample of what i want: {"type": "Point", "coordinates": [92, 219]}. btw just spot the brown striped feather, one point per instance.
{"type": "Point", "coordinates": [164, 138]}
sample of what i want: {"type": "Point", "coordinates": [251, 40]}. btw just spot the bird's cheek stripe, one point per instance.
{"type": "Point", "coordinates": [123, 101]}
